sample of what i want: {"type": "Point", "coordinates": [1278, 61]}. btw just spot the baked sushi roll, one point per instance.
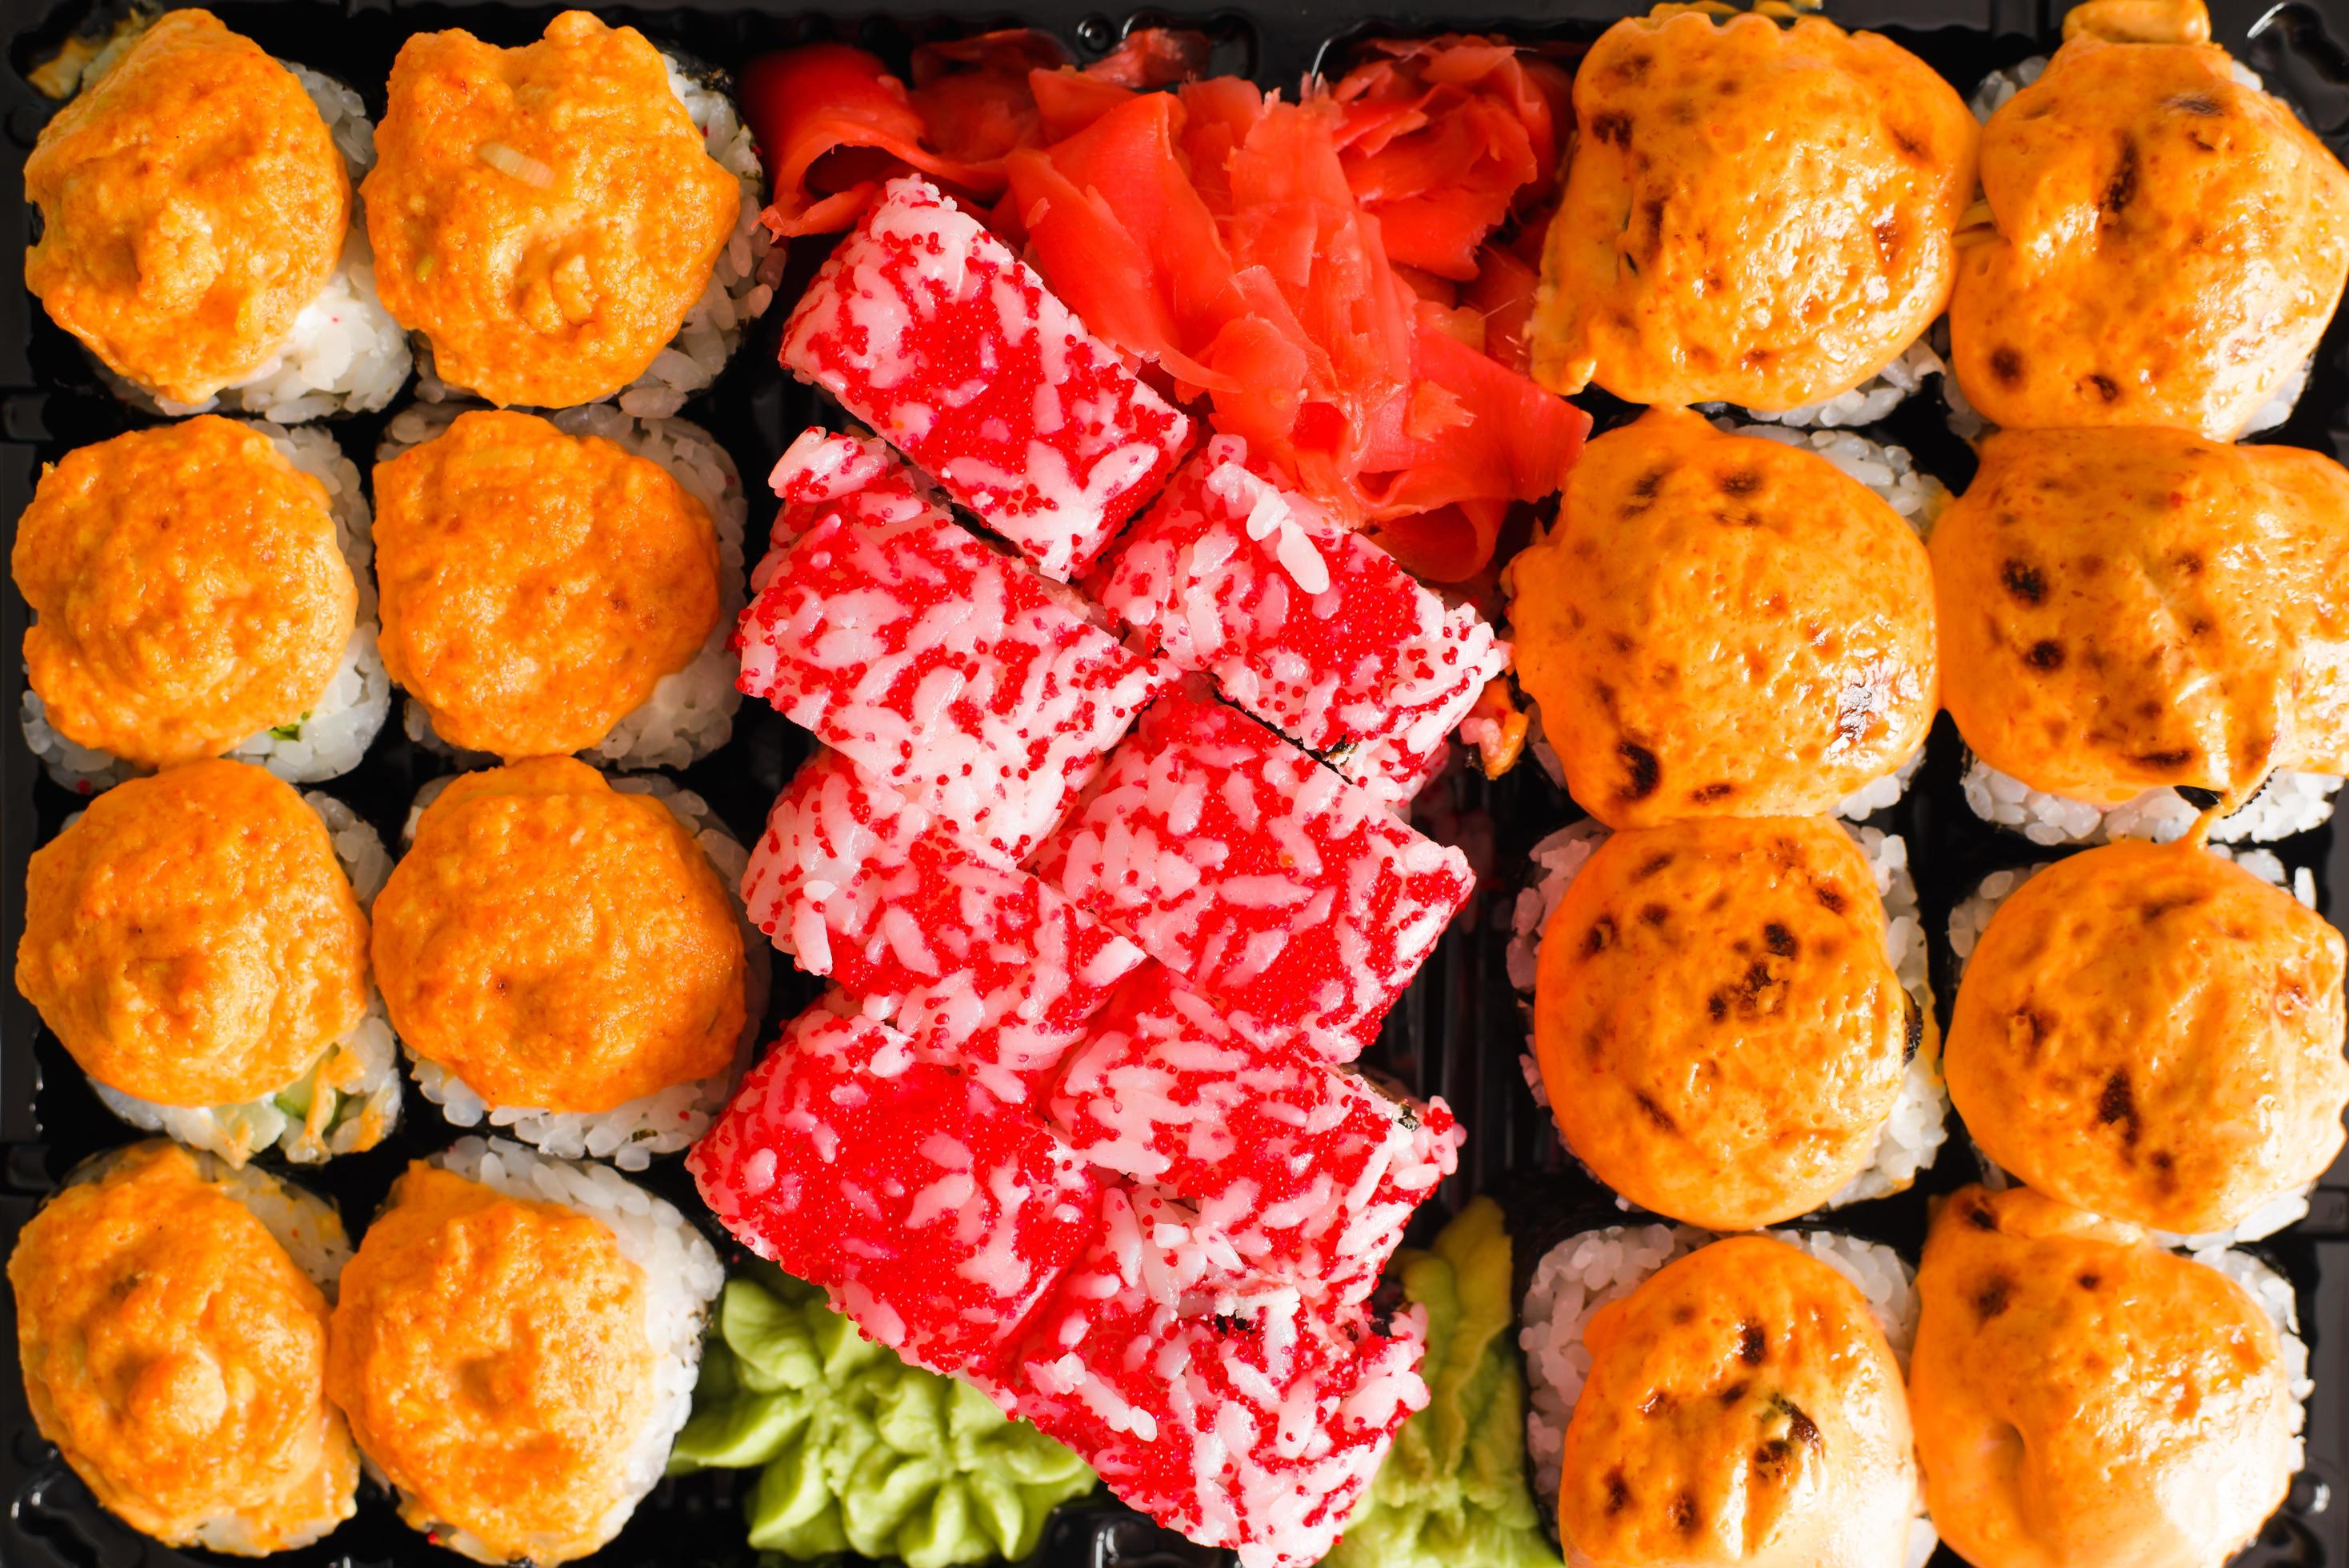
{"type": "Point", "coordinates": [1724, 1402]}
{"type": "Point", "coordinates": [2163, 243]}
{"type": "Point", "coordinates": [199, 589]}
{"type": "Point", "coordinates": [196, 941]}
{"type": "Point", "coordinates": [1720, 624]}
{"type": "Point", "coordinates": [563, 585]}
{"type": "Point", "coordinates": [569, 959]}
{"type": "Point", "coordinates": [198, 230]}
{"type": "Point", "coordinates": [1728, 1029]}
{"type": "Point", "coordinates": [2154, 1034]}
{"type": "Point", "coordinates": [2083, 1397]}
{"type": "Point", "coordinates": [171, 1329]}
{"type": "Point", "coordinates": [566, 222]}
{"type": "Point", "coordinates": [2142, 626]}
{"type": "Point", "coordinates": [515, 1347]}
{"type": "Point", "coordinates": [1702, 253]}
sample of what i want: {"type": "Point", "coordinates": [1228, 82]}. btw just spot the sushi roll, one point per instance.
{"type": "Point", "coordinates": [2143, 626]}
{"type": "Point", "coordinates": [566, 222]}
{"type": "Point", "coordinates": [198, 233]}
{"type": "Point", "coordinates": [2154, 1034]}
{"type": "Point", "coordinates": [1702, 589]}
{"type": "Point", "coordinates": [1727, 1028]}
{"type": "Point", "coordinates": [2083, 1397]}
{"type": "Point", "coordinates": [515, 1348]}
{"type": "Point", "coordinates": [1299, 621]}
{"type": "Point", "coordinates": [989, 963]}
{"type": "Point", "coordinates": [1738, 1401]}
{"type": "Point", "coordinates": [1288, 895]}
{"type": "Point", "coordinates": [171, 1327]}
{"type": "Point", "coordinates": [564, 954]}
{"type": "Point", "coordinates": [2163, 242]}
{"type": "Point", "coordinates": [560, 585]}
{"type": "Point", "coordinates": [929, 329]}
{"type": "Point", "coordinates": [199, 589]}
{"type": "Point", "coordinates": [1704, 255]}
{"type": "Point", "coordinates": [198, 943]}
{"type": "Point", "coordinates": [935, 1214]}
{"type": "Point", "coordinates": [934, 661]}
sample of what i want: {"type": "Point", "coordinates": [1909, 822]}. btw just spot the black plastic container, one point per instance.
{"type": "Point", "coordinates": [1457, 1033]}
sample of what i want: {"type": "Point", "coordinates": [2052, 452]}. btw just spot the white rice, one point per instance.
{"type": "Point", "coordinates": [308, 1226]}
{"type": "Point", "coordinates": [631, 1133]}
{"type": "Point", "coordinates": [1912, 1135]}
{"type": "Point", "coordinates": [2274, 1294]}
{"type": "Point", "coordinates": [1584, 1273]}
{"type": "Point", "coordinates": [742, 286]}
{"type": "Point", "coordinates": [359, 1116]}
{"type": "Point", "coordinates": [1965, 421]}
{"type": "Point", "coordinates": [682, 1278]}
{"type": "Point", "coordinates": [2290, 802]}
{"type": "Point", "coordinates": [328, 740]}
{"type": "Point", "coordinates": [690, 712]}
{"type": "Point", "coordinates": [1972, 916]}
{"type": "Point", "coordinates": [343, 354]}
{"type": "Point", "coordinates": [1865, 404]}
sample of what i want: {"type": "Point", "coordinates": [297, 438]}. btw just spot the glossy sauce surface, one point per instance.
{"type": "Point", "coordinates": [1718, 1025]}
{"type": "Point", "coordinates": [177, 1356]}
{"type": "Point", "coordinates": [1742, 1408]}
{"type": "Point", "coordinates": [1722, 625]}
{"type": "Point", "coordinates": [537, 585]}
{"type": "Point", "coordinates": [1757, 214]}
{"type": "Point", "coordinates": [2083, 1396]}
{"type": "Point", "coordinates": [492, 1357]}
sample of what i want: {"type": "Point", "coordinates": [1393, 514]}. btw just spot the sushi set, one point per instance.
{"type": "Point", "coordinates": [1238, 789]}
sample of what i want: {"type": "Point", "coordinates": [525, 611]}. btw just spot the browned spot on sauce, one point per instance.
{"type": "Point", "coordinates": [2092, 1281]}
{"type": "Point", "coordinates": [1706, 794]}
{"type": "Point", "coordinates": [1612, 127]}
{"type": "Point", "coordinates": [2198, 104]}
{"type": "Point", "coordinates": [1831, 897]}
{"type": "Point", "coordinates": [1684, 1516]}
{"type": "Point", "coordinates": [2044, 655]}
{"type": "Point", "coordinates": [1599, 938]}
{"type": "Point", "coordinates": [2122, 190]}
{"type": "Point", "coordinates": [2166, 760]}
{"type": "Point", "coordinates": [1655, 1113]}
{"type": "Point", "coordinates": [1981, 1218]}
{"type": "Point", "coordinates": [1779, 940]}
{"type": "Point", "coordinates": [1992, 1297]}
{"type": "Point", "coordinates": [1619, 1496]}
{"type": "Point", "coordinates": [1745, 481]}
{"type": "Point", "coordinates": [2106, 387]}
{"type": "Point", "coordinates": [2024, 582]}
{"type": "Point", "coordinates": [1732, 1393]}
{"type": "Point", "coordinates": [2117, 1104]}
{"type": "Point", "coordinates": [1642, 771]}
{"type": "Point", "coordinates": [2006, 364]}
{"type": "Point", "coordinates": [1752, 1344]}
{"type": "Point", "coordinates": [1651, 865]}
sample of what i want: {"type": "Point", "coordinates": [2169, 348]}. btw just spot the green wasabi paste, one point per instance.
{"type": "Point", "coordinates": [858, 1452]}
{"type": "Point", "coordinates": [1453, 1492]}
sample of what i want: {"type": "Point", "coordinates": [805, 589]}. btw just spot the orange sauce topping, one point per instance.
{"type": "Point", "coordinates": [545, 215]}
{"type": "Point", "coordinates": [558, 944]}
{"type": "Point", "coordinates": [492, 1357]}
{"type": "Point", "coordinates": [537, 585]}
{"type": "Point", "coordinates": [1717, 1019]}
{"type": "Point", "coordinates": [177, 1356]}
{"type": "Point", "coordinates": [191, 203]}
{"type": "Point", "coordinates": [1755, 213]}
{"type": "Point", "coordinates": [189, 591]}
{"type": "Point", "coordinates": [191, 940]}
